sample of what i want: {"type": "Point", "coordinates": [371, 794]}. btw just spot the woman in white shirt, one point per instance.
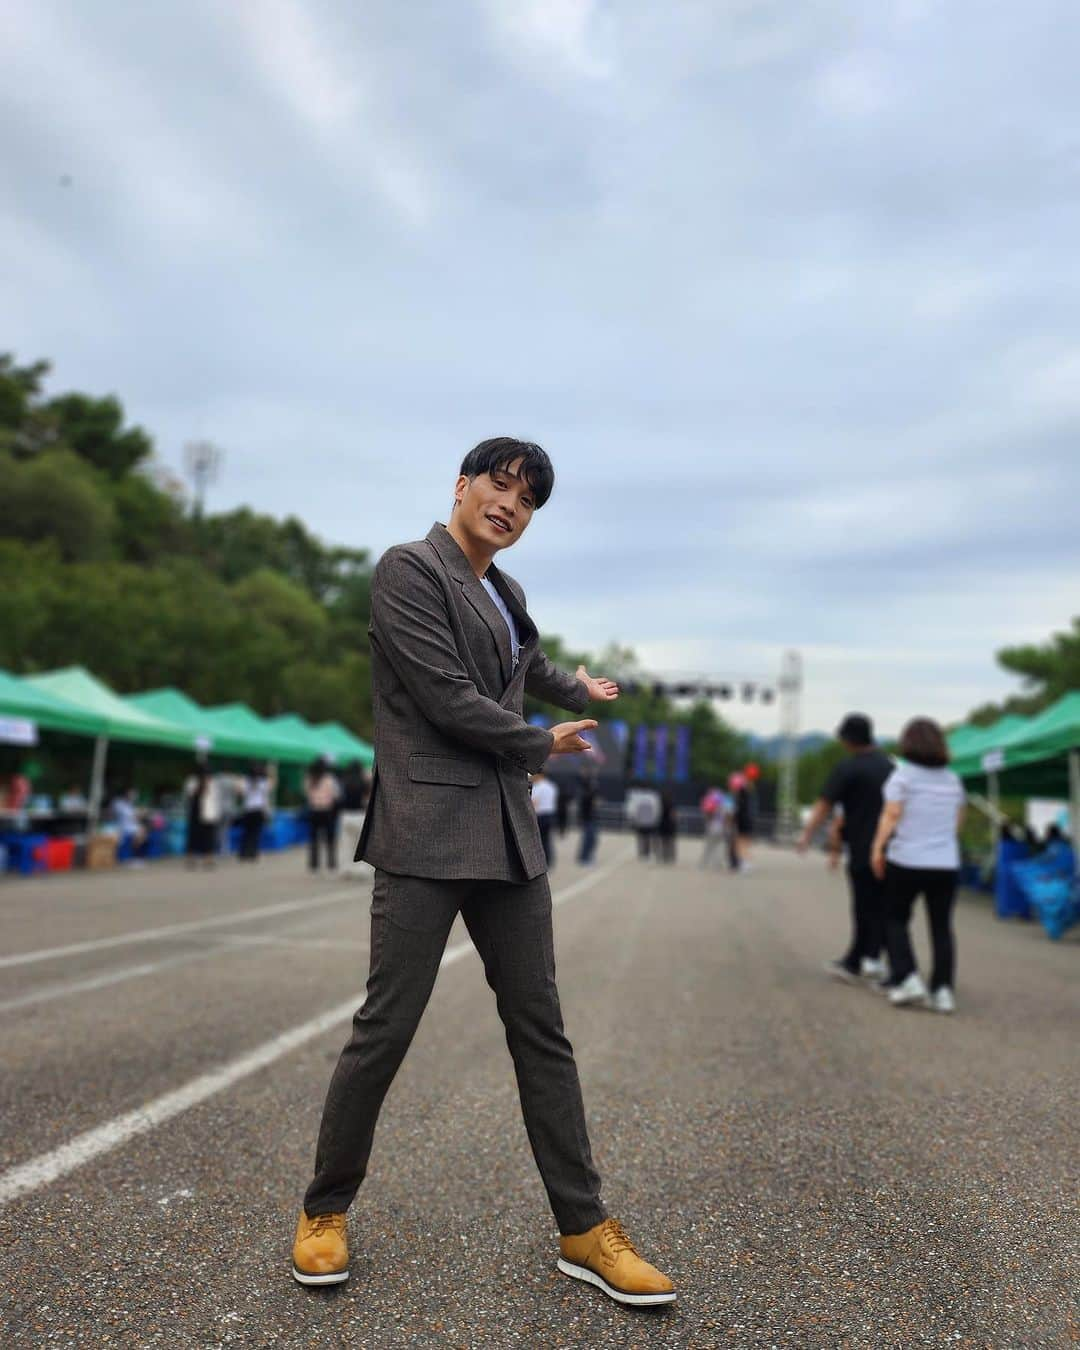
{"type": "Point", "coordinates": [256, 791]}
{"type": "Point", "coordinates": [917, 852]}
{"type": "Point", "coordinates": [203, 796]}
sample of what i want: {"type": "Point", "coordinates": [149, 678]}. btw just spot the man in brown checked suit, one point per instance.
{"type": "Point", "coordinates": [450, 829]}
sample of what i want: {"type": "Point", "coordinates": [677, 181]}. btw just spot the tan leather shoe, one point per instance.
{"type": "Point", "coordinates": [605, 1256]}
{"type": "Point", "coordinates": [320, 1253]}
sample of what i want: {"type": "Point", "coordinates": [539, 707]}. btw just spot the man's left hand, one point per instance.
{"type": "Point", "coordinates": [601, 690]}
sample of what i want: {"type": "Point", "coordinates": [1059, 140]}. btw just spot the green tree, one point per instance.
{"type": "Point", "coordinates": [331, 693]}
{"type": "Point", "coordinates": [236, 543]}
{"type": "Point", "coordinates": [55, 496]}
{"type": "Point", "coordinates": [148, 524]}
{"type": "Point", "coordinates": [20, 391]}
{"type": "Point", "coordinates": [814, 769]}
{"type": "Point", "coordinates": [1047, 669]}
{"type": "Point", "coordinates": [94, 428]}
{"type": "Point", "coordinates": [717, 749]}
{"type": "Point", "coordinates": [30, 575]}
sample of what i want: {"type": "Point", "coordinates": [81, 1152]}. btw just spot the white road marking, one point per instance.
{"type": "Point", "coordinates": [227, 942]}
{"type": "Point", "coordinates": [47, 1167]}
{"type": "Point", "coordinates": [173, 929]}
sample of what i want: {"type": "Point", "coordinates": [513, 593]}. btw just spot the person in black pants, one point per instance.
{"type": "Point", "coordinates": [916, 852]}
{"type": "Point", "coordinates": [587, 794]}
{"type": "Point", "coordinates": [903, 886]}
{"type": "Point", "coordinates": [323, 792]}
{"type": "Point", "coordinates": [255, 812]}
{"type": "Point", "coordinates": [856, 784]}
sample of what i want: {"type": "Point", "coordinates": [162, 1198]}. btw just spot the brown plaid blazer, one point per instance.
{"type": "Point", "coordinates": [453, 752]}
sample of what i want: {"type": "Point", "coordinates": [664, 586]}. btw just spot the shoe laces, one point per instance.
{"type": "Point", "coordinates": [321, 1222]}
{"type": "Point", "coordinates": [617, 1237]}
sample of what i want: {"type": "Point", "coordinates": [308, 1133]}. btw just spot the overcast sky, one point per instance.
{"type": "Point", "coordinates": [787, 288]}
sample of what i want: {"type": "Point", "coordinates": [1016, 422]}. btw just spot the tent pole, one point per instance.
{"type": "Point", "coordinates": [1074, 802]}
{"type": "Point", "coordinates": [995, 807]}
{"type": "Point", "coordinates": [97, 783]}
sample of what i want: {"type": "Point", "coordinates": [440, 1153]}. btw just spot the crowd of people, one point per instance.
{"type": "Point", "coordinates": [215, 801]}
{"type": "Point", "coordinates": [552, 806]}
{"type": "Point", "coordinates": [651, 812]}
{"type": "Point", "coordinates": [899, 823]}
{"type": "Point", "coordinates": [729, 824]}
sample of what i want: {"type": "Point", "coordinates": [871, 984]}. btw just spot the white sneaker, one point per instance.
{"type": "Point", "coordinates": [870, 969]}
{"type": "Point", "coordinates": [943, 1000]}
{"type": "Point", "coordinates": [911, 990]}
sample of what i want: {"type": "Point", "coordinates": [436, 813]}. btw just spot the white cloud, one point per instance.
{"type": "Point", "coordinates": [852, 86]}
{"type": "Point", "coordinates": [332, 87]}
{"type": "Point", "coordinates": [117, 139]}
{"type": "Point", "coordinates": [1054, 385]}
{"type": "Point", "coordinates": [566, 33]}
{"type": "Point", "coordinates": [803, 376]}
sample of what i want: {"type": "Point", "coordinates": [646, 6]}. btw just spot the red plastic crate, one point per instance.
{"type": "Point", "coordinates": [58, 855]}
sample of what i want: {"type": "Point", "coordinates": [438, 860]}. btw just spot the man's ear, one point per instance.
{"type": "Point", "coordinates": [459, 488]}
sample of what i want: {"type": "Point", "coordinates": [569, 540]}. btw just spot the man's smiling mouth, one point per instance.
{"type": "Point", "coordinates": [499, 523]}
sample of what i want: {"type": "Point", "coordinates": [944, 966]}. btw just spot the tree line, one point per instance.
{"type": "Point", "coordinates": [104, 563]}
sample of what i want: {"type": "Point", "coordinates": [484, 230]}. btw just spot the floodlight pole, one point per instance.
{"type": "Point", "coordinates": [97, 784]}
{"type": "Point", "coordinates": [203, 461]}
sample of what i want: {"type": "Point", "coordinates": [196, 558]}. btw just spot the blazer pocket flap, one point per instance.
{"type": "Point", "coordinates": [444, 769]}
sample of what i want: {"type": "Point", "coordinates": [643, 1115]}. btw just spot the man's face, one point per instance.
{"type": "Point", "coordinates": [495, 508]}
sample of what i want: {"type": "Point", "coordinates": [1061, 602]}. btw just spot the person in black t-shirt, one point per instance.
{"type": "Point", "coordinates": [855, 785]}
{"type": "Point", "coordinates": [587, 793]}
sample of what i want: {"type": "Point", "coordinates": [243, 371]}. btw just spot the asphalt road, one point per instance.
{"type": "Point", "coordinates": [811, 1166]}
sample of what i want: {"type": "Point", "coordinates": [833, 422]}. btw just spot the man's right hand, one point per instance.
{"type": "Point", "coordinates": [568, 739]}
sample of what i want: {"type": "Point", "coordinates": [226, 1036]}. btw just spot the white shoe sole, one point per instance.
{"type": "Point", "coordinates": [591, 1277]}
{"type": "Point", "coordinates": [910, 1001]}
{"type": "Point", "coordinates": [335, 1277]}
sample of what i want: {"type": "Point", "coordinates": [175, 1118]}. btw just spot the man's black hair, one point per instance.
{"type": "Point", "coordinates": [501, 451]}
{"type": "Point", "coordinates": [856, 729]}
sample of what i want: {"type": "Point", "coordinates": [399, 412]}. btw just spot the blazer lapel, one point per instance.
{"type": "Point", "coordinates": [485, 607]}
{"type": "Point", "coordinates": [527, 633]}
{"type": "Point", "coordinates": [458, 566]}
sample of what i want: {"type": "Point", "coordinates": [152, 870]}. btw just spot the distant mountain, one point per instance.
{"type": "Point", "coordinates": [769, 747]}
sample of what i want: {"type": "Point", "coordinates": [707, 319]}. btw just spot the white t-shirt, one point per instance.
{"type": "Point", "coordinates": [545, 796]}
{"type": "Point", "coordinates": [511, 624]}
{"type": "Point", "coordinates": [926, 833]}
{"type": "Point", "coordinates": [257, 794]}
{"type": "Point", "coordinates": [643, 808]}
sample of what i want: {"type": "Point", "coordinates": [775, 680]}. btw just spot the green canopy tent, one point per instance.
{"type": "Point", "coordinates": [22, 703]}
{"type": "Point", "coordinates": [301, 731]}
{"type": "Point", "coordinates": [1038, 757]}
{"type": "Point", "coordinates": [212, 734]}
{"type": "Point", "coordinates": [970, 743]}
{"type": "Point", "coordinates": [266, 741]}
{"type": "Point", "coordinates": [961, 738]}
{"type": "Point", "coordinates": [296, 729]}
{"type": "Point", "coordinates": [327, 738]}
{"type": "Point", "coordinates": [117, 719]}
{"type": "Point", "coordinates": [349, 747]}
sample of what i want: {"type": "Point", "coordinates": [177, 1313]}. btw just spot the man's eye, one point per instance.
{"type": "Point", "coordinates": [527, 502]}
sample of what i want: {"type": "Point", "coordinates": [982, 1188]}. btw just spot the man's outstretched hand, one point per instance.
{"type": "Point", "coordinates": [568, 738]}
{"type": "Point", "coordinates": [601, 690]}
